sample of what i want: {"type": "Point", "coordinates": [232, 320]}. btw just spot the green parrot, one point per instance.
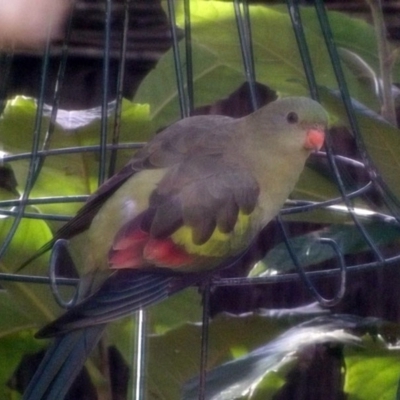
{"type": "Point", "coordinates": [189, 202]}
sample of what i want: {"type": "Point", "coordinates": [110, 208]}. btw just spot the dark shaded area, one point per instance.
{"type": "Point", "coordinates": [238, 104]}
{"type": "Point", "coordinates": [7, 179]}
{"type": "Point", "coordinates": [321, 365]}
{"type": "Point", "coordinates": [119, 374]}
{"type": "Point", "coordinates": [82, 388]}
{"type": "Point", "coordinates": [148, 39]}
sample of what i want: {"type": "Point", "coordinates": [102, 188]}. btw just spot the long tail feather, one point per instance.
{"type": "Point", "coordinates": [62, 363]}
{"type": "Point", "coordinates": [122, 294]}
{"type": "Point", "coordinates": [77, 331]}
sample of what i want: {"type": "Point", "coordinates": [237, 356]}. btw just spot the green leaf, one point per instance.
{"type": "Point", "coordinates": [381, 140]}
{"type": "Point", "coordinates": [310, 251]}
{"type": "Point", "coordinates": [73, 173]}
{"type": "Point", "coordinates": [350, 33]}
{"type": "Point", "coordinates": [159, 88]}
{"type": "Point", "coordinates": [314, 186]}
{"type": "Point", "coordinates": [174, 357]}
{"type": "Point", "coordinates": [372, 371]}
{"type": "Point", "coordinates": [12, 348]}
{"type": "Point", "coordinates": [180, 309]}
{"type": "Point", "coordinates": [277, 59]}
{"type": "Point", "coordinates": [35, 301]}
{"type": "Point", "coordinates": [361, 69]}
{"type": "Point", "coordinates": [216, 54]}
{"type": "Point", "coordinates": [12, 319]}
{"type": "Point", "coordinates": [270, 362]}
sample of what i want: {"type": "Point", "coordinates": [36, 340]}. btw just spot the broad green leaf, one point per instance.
{"type": "Point", "coordinates": [180, 309]}
{"type": "Point", "coordinates": [351, 33]}
{"type": "Point", "coordinates": [361, 69]}
{"type": "Point", "coordinates": [159, 88]}
{"type": "Point", "coordinates": [372, 371]}
{"type": "Point", "coordinates": [35, 301]}
{"type": "Point", "coordinates": [277, 60]}
{"type": "Point", "coordinates": [217, 62]}
{"type": "Point", "coordinates": [12, 348]}
{"type": "Point", "coordinates": [73, 173]}
{"type": "Point", "coordinates": [174, 357]}
{"type": "Point", "coordinates": [310, 251]}
{"type": "Point", "coordinates": [314, 186]}
{"type": "Point", "coordinates": [12, 319]}
{"type": "Point", "coordinates": [269, 363]}
{"type": "Point", "coordinates": [381, 140]}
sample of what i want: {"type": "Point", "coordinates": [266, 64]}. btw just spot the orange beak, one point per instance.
{"type": "Point", "coordinates": [315, 139]}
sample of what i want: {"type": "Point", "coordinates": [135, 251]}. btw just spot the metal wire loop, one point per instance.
{"type": "Point", "coordinates": [303, 275]}
{"type": "Point", "coordinates": [343, 276]}
{"type": "Point", "coordinates": [60, 248]}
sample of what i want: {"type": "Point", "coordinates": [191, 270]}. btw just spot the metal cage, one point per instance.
{"type": "Point", "coordinates": [364, 196]}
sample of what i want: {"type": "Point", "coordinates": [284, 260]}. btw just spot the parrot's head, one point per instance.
{"type": "Point", "coordinates": [295, 122]}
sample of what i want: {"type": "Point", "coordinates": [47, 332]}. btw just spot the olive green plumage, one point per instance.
{"type": "Point", "coordinates": [191, 200]}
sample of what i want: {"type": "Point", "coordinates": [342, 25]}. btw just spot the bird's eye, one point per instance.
{"type": "Point", "coordinates": [292, 117]}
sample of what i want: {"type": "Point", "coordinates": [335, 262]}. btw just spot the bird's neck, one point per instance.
{"type": "Point", "coordinates": [274, 164]}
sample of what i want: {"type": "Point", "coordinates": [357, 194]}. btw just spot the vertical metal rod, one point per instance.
{"type": "Point", "coordinates": [246, 46]}
{"type": "Point", "coordinates": [139, 357]}
{"type": "Point", "coordinates": [57, 89]}
{"type": "Point", "coordinates": [104, 105]}
{"type": "Point", "coordinates": [307, 64]}
{"type": "Point", "coordinates": [247, 19]}
{"type": "Point", "coordinates": [34, 160]}
{"type": "Point", "coordinates": [329, 40]}
{"type": "Point", "coordinates": [297, 24]}
{"type": "Point", "coordinates": [189, 56]}
{"type": "Point", "coordinates": [336, 65]}
{"type": "Point", "coordinates": [177, 61]}
{"type": "Point", "coordinates": [204, 340]}
{"type": "Point", "coordinates": [120, 87]}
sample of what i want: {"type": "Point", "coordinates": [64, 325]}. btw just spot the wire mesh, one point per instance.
{"type": "Point", "coordinates": [184, 77]}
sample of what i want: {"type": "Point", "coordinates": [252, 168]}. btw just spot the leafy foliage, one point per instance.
{"type": "Point", "coordinates": [246, 364]}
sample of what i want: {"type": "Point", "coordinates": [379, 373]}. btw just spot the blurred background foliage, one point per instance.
{"type": "Point", "coordinates": [266, 341]}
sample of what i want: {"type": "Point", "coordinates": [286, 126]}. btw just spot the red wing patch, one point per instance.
{"type": "Point", "coordinates": [166, 252]}
{"type": "Point", "coordinates": [134, 248]}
